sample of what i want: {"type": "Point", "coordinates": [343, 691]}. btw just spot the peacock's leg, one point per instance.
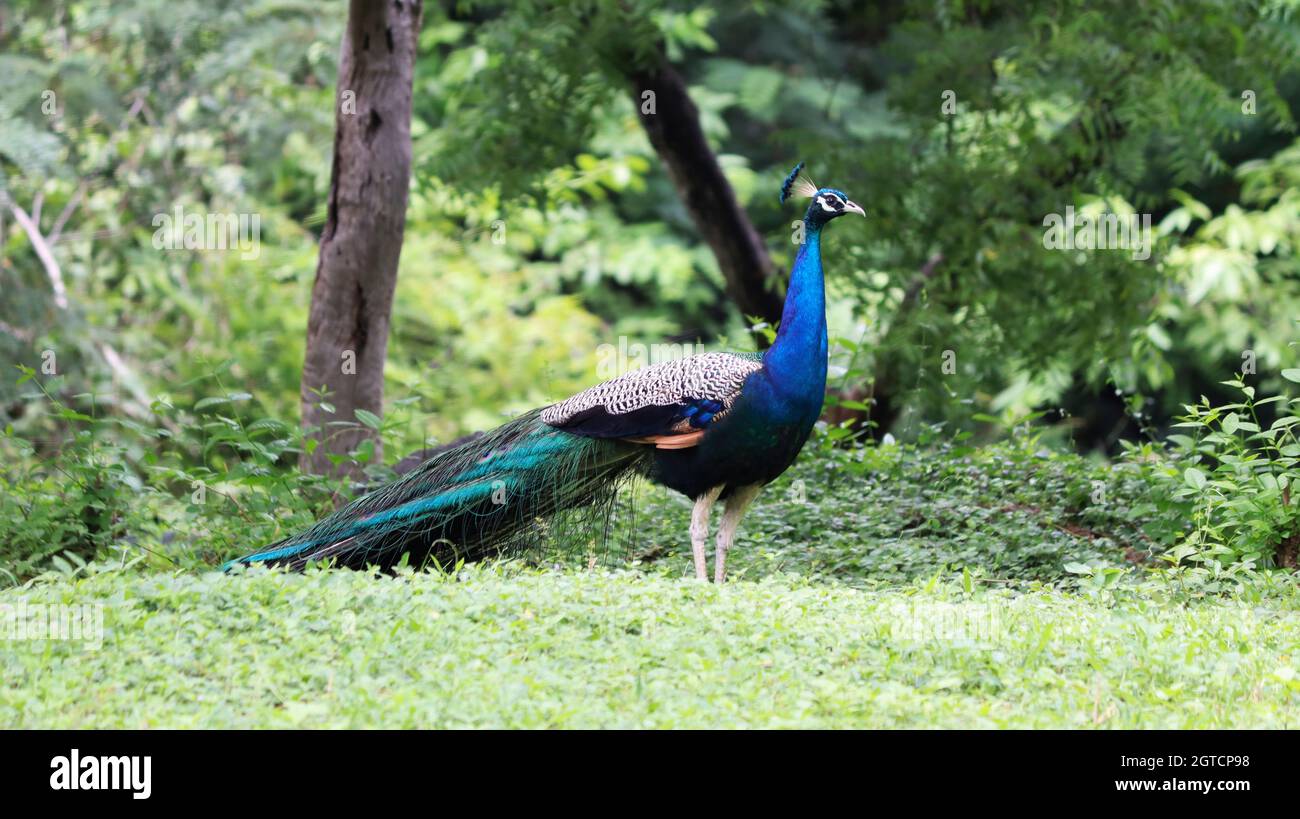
{"type": "Point", "coordinates": [737, 503]}
{"type": "Point", "coordinates": [700, 530]}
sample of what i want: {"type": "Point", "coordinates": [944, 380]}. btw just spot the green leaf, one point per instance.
{"type": "Point", "coordinates": [365, 451]}
{"type": "Point", "coordinates": [1292, 375]}
{"type": "Point", "coordinates": [368, 418]}
{"type": "Point", "coordinates": [1230, 422]}
{"type": "Point", "coordinates": [272, 424]}
{"type": "Point", "coordinates": [1195, 478]}
{"type": "Point", "coordinates": [216, 400]}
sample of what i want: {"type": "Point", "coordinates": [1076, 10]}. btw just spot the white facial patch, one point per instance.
{"type": "Point", "coordinates": [829, 208]}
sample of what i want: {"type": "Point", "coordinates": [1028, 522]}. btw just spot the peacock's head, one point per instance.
{"type": "Point", "coordinates": [827, 203]}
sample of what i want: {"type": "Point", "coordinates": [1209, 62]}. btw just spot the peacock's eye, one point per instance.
{"type": "Point", "coordinates": [830, 202]}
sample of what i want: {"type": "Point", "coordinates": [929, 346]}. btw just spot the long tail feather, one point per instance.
{"type": "Point", "coordinates": [478, 497]}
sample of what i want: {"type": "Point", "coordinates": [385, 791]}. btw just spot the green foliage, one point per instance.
{"type": "Point", "coordinates": [495, 648]}
{"type": "Point", "coordinates": [228, 107]}
{"type": "Point", "coordinates": [1112, 108]}
{"type": "Point", "coordinates": [150, 111]}
{"type": "Point", "coordinates": [190, 487]}
{"type": "Point", "coordinates": [1236, 472]}
{"type": "Point", "coordinates": [59, 516]}
{"type": "Point", "coordinates": [1234, 295]}
{"type": "Point", "coordinates": [238, 119]}
{"type": "Point", "coordinates": [1056, 105]}
{"type": "Point", "coordinates": [1007, 513]}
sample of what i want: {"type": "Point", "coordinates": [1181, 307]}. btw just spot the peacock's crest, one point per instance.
{"type": "Point", "coordinates": [798, 184]}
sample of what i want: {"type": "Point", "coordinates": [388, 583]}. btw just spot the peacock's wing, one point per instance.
{"type": "Point", "coordinates": [673, 398]}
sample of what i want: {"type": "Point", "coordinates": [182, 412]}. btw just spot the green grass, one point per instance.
{"type": "Point", "coordinates": [505, 647]}
{"type": "Point", "coordinates": [891, 586]}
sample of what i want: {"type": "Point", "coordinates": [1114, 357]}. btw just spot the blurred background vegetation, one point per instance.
{"type": "Point", "coordinates": [957, 125]}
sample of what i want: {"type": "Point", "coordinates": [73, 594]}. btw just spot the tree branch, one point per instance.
{"type": "Point", "coordinates": [673, 126]}
{"type": "Point", "coordinates": [43, 252]}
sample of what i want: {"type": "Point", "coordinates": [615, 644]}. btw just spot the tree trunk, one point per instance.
{"type": "Point", "coordinates": [356, 273]}
{"type": "Point", "coordinates": [672, 122]}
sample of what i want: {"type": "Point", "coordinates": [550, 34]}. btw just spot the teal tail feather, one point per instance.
{"type": "Point", "coordinates": [479, 497]}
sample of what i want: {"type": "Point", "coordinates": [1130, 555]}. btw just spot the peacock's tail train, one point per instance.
{"type": "Point", "coordinates": [475, 498]}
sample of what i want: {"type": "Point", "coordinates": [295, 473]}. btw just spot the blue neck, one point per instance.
{"type": "Point", "coordinates": [796, 363]}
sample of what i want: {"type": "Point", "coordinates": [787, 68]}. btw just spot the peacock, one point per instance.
{"type": "Point", "coordinates": [717, 426]}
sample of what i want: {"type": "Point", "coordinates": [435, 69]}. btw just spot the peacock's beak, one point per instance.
{"type": "Point", "coordinates": [854, 207]}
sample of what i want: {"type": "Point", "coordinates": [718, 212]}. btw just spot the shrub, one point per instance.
{"type": "Point", "coordinates": [1237, 478]}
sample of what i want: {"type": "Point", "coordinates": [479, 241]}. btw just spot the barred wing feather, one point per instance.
{"type": "Point", "coordinates": [673, 398]}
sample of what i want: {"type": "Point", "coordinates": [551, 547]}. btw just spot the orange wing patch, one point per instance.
{"type": "Point", "coordinates": [683, 441]}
